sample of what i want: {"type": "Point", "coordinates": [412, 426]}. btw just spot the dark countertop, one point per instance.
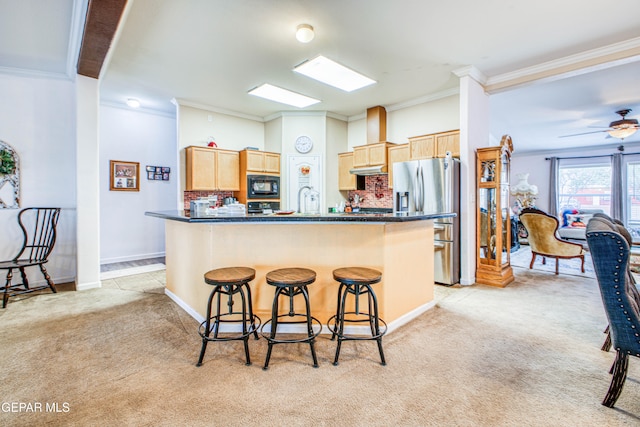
{"type": "Point", "coordinates": [337, 217]}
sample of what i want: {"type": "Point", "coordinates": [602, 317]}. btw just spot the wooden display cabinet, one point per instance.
{"type": "Point", "coordinates": [493, 239]}
{"type": "Point", "coordinates": [211, 169]}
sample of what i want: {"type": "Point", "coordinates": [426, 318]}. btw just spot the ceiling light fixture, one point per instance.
{"type": "Point", "coordinates": [304, 33]}
{"type": "Point", "coordinates": [333, 74]}
{"type": "Point", "coordinates": [622, 133]}
{"type": "Point", "coordinates": [623, 128]}
{"type": "Point", "coordinates": [133, 103]}
{"type": "Point", "coordinates": [284, 96]}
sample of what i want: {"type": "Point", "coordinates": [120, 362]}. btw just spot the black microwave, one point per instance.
{"type": "Point", "coordinates": [263, 187]}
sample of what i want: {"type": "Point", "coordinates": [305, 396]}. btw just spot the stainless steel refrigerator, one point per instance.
{"type": "Point", "coordinates": [433, 186]}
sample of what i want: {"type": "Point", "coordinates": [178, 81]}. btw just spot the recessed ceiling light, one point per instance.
{"type": "Point", "coordinates": [283, 96]}
{"type": "Point", "coordinates": [334, 74]}
{"type": "Point", "coordinates": [304, 33]}
{"type": "Point", "coordinates": [133, 103]}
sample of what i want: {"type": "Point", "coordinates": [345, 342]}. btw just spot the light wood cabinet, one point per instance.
{"type": "Point", "coordinates": [422, 147]}
{"type": "Point", "coordinates": [435, 145]}
{"type": "Point", "coordinates": [211, 169]}
{"type": "Point", "coordinates": [260, 161]}
{"type": "Point", "coordinates": [448, 141]}
{"type": "Point", "coordinates": [396, 154]}
{"type": "Point", "coordinates": [346, 180]}
{"type": "Point", "coordinates": [371, 154]}
{"type": "Point", "coordinates": [228, 170]}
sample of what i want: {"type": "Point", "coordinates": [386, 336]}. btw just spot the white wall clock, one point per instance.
{"type": "Point", "coordinates": [304, 144]}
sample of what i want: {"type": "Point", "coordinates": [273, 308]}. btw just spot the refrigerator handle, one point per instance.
{"type": "Point", "coordinates": [416, 190]}
{"type": "Point", "coordinates": [422, 189]}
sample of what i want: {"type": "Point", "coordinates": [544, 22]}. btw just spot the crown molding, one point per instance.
{"type": "Point", "coordinates": [22, 72]}
{"type": "Point", "coordinates": [178, 102]}
{"type": "Point", "coordinates": [144, 110]}
{"type": "Point", "coordinates": [424, 99]}
{"type": "Point", "coordinates": [305, 114]}
{"type": "Point", "coordinates": [573, 65]}
{"type": "Point", "coordinates": [78, 16]}
{"type": "Point", "coordinates": [473, 72]}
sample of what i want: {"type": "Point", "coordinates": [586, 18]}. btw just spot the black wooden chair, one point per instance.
{"type": "Point", "coordinates": [39, 229]}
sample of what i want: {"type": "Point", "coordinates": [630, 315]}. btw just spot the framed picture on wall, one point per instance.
{"type": "Point", "coordinates": [124, 176]}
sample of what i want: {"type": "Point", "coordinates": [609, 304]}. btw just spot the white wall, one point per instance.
{"type": "Point", "coordinates": [37, 118]}
{"type": "Point", "coordinates": [150, 139]}
{"type": "Point", "coordinates": [439, 115]}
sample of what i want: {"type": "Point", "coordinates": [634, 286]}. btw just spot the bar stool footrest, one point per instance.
{"type": "Point", "coordinates": [254, 325]}
{"type": "Point", "coordinates": [332, 324]}
{"type": "Point", "coordinates": [315, 322]}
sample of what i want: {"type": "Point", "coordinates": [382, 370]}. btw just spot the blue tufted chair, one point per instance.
{"type": "Point", "coordinates": [610, 253]}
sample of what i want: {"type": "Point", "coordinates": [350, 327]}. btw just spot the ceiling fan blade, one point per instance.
{"type": "Point", "coordinates": [584, 133]}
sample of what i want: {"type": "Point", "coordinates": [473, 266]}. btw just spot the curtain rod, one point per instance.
{"type": "Point", "coordinates": [589, 157]}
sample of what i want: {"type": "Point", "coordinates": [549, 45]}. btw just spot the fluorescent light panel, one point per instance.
{"type": "Point", "coordinates": [277, 94]}
{"type": "Point", "coordinates": [334, 74]}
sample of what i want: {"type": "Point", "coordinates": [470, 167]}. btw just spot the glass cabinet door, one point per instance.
{"type": "Point", "coordinates": [487, 206]}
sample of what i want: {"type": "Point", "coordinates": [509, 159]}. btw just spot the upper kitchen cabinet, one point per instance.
{"type": "Point", "coordinates": [210, 169]}
{"type": "Point", "coordinates": [396, 154]}
{"type": "Point", "coordinates": [346, 180]}
{"type": "Point", "coordinates": [371, 154]}
{"type": "Point", "coordinates": [435, 145]}
{"type": "Point", "coordinates": [448, 141]}
{"type": "Point", "coordinates": [260, 162]}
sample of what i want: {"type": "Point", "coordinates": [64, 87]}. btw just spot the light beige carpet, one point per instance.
{"type": "Point", "coordinates": [526, 355]}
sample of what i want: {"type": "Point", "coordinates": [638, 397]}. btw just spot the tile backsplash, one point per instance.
{"type": "Point", "coordinates": [193, 195]}
{"type": "Point", "coordinates": [376, 194]}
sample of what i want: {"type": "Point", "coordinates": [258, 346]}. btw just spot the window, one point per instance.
{"type": "Point", "coordinates": [632, 196]}
{"type": "Point", "coordinates": [586, 184]}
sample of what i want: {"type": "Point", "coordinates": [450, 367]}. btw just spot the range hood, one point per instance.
{"type": "Point", "coordinates": [369, 170]}
{"type": "Point", "coordinates": [376, 133]}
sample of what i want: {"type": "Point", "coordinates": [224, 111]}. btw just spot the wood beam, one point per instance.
{"type": "Point", "coordinates": [100, 28]}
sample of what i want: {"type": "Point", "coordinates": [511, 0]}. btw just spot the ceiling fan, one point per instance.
{"type": "Point", "coordinates": [622, 128]}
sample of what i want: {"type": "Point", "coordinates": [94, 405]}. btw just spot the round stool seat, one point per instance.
{"type": "Point", "coordinates": [231, 283]}
{"type": "Point", "coordinates": [356, 282]}
{"type": "Point", "coordinates": [229, 275]}
{"type": "Point", "coordinates": [291, 277]}
{"type": "Point", "coordinates": [357, 275]}
{"type": "Point", "coordinates": [289, 283]}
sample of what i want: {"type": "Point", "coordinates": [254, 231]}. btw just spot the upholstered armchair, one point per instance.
{"type": "Point", "coordinates": [610, 253]}
{"type": "Point", "coordinates": [543, 238]}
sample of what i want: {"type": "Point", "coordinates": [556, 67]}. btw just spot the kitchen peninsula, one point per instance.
{"type": "Point", "coordinates": [400, 246]}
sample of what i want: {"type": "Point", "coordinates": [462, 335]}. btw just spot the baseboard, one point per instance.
{"type": "Point", "coordinates": [406, 318]}
{"type": "Point", "coordinates": [88, 285]}
{"type": "Point", "coordinates": [106, 275]}
{"type": "Point", "coordinates": [296, 329]}
{"type": "Point", "coordinates": [132, 258]}
{"type": "Point", "coordinates": [183, 305]}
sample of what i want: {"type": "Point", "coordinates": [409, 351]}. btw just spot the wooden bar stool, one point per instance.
{"type": "Point", "coordinates": [290, 282]}
{"type": "Point", "coordinates": [229, 281]}
{"type": "Point", "coordinates": [357, 281]}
